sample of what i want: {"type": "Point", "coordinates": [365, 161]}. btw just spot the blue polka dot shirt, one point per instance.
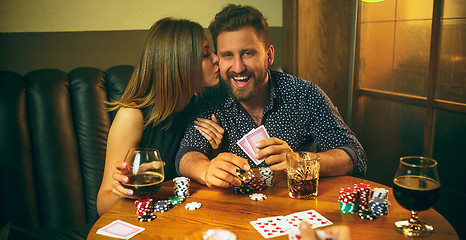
{"type": "Point", "coordinates": [298, 112]}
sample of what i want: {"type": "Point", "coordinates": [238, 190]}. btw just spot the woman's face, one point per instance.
{"type": "Point", "coordinates": [210, 69]}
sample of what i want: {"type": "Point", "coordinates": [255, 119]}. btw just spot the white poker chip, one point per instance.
{"type": "Point", "coordinates": [193, 205]}
{"type": "Point", "coordinates": [258, 196]}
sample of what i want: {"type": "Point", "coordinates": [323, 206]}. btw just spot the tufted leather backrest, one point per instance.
{"type": "Point", "coordinates": [17, 191]}
{"type": "Point", "coordinates": [53, 135]}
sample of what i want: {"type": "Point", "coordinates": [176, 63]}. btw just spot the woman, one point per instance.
{"type": "Point", "coordinates": [176, 62]}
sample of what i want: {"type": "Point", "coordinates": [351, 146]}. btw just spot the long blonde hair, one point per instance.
{"type": "Point", "coordinates": [169, 70]}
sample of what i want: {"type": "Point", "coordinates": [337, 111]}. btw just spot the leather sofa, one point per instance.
{"type": "Point", "coordinates": [53, 132]}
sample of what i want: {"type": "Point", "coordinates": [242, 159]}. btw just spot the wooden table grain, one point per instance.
{"type": "Point", "coordinates": [222, 208]}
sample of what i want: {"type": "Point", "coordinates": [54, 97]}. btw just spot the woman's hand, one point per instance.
{"type": "Point", "coordinates": [119, 177]}
{"type": "Point", "coordinates": [211, 130]}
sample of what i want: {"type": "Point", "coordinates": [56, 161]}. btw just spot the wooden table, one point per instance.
{"type": "Point", "coordinates": [222, 208]}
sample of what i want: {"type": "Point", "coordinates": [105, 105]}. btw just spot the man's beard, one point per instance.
{"type": "Point", "coordinates": [253, 88]}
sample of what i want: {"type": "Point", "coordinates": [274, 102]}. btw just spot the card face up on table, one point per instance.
{"type": "Point", "coordinates": [280, 225]}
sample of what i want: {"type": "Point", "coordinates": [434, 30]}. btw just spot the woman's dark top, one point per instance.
{"type": "Point", "coordinates": [167, 141]}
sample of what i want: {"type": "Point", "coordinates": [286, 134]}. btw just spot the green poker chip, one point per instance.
{"type": "Point", "coordinates": [175, 200]}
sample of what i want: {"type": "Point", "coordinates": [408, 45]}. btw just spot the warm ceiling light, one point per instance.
{"type": "Point", "coordinates": [369, 1]}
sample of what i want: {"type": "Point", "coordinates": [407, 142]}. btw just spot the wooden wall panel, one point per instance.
{"type": "Point", "coordinates": [321, 32]}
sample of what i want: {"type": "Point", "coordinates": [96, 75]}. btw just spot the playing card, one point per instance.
{"type": "Point", "coordinates": [270, 227]}
{"type": "Point", "coordinates": [311, 216]}
{"type": "Point", "coordinates": [255, 136]}
{"type": "Point", "coordinates": [244, 145]}
{"type": "Point", "coordinates": [120, 229]}
{"type": "Point", "coordinates": [281, 225]}
{"type": "Point", "coordinates": [248, 141]}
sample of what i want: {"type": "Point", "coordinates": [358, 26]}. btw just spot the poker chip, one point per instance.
{"type": "Point", "coordinates": [244, 188]}
{"type": "Point", "coordinates": [367, 215]}
{"type": "Point", "coordinates": [144, 206]}
{"type": "Point", "coordinates": [245, 176]}
{"type": "Point", "coordinates": [181, 186]}
{"type": "Point", "coordinates": [258, 197]}
{"type": "Point", "coordinates": [266, 175]}
{"type": "Point", "coordinates": [147, 217]}
{"type": "Point", "coordinates": [181, 180]}
{"type": "Point", "coordinates": [162, 206]}
{"type": "Point", "coordinates": [193, 205]}
{"type": "Point", "coordinates": [363, 191]}
{"type": "Point", "coordinates": [175, 200]}
{"type": "Point", "coordinates": [348, 195]}
{"type": "Point", "coordinates": [348, 207]}
{"type": "Point", "coordinates": [257, 185]}
{"type": "Point", "coordinates": [379, 193]}
{"type": "Point", "coordinates": [379, 206]}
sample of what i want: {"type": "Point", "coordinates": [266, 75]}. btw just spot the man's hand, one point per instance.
{"type": "Point", "coordinates": [222, 170]}
{"type": "Point", "coordinates": [274, 151]}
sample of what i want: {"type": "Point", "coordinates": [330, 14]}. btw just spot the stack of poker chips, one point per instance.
{"type": "Point", "coordinates": [364, 191]}
{"type": "Point", "coordinates": [348, 200]}
{"type": "Point", "coordinates": [379, 193]}
{"type": "Point", "coordinates": [181, 187]}
{"type": "Point", "coordinates": [257, 185]}
{"type": "Point", "coordinates": [144, 206]}
{"type": "Point", "coordinates": [246, 177]}
{"type": "Point", "coordinates": [379, 206]}
{"type": "Point", "coordinates": [266, 175]}
{"type": "Point", "coordinates": [175, 200]}
{"type": "Point", "coordinates": [162, 206]}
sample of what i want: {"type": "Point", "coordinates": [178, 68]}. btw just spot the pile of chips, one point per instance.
{"type": "Point", "coordinates": [181, 187]}
{"type": "Point", "coordinates": [162, 206]}
{"type": "Point", "coordinates": [367, 214]}
{"type": "Point", "coordinates": [175, 200]}
{"type": "Point", "coordinates": [379, 193]}
{"type": "Point", "coordinates": [245, 177]}
{"type": "Point", "coordinates": [348, 200]}
{"type": "Point", "coordinates": [249, 183]}
{"type": "Point", "coordinates": [379, 206]}
{"type": "Point", "coordinates": [358, 197]}
{"type": "Point", "coordinates": [266, 175]}
{"type": "Point", "coordinates": [144, 206]}
{"type": "Point", "coordinates": [257, 185]}
{"type": "Point", "coordinates": [364, 192]}
{"type": "Point", "coordinates": [379, 202]}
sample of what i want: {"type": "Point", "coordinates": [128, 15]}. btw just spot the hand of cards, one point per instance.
{"type": "Point", "coordinates": [120, 229]}
{"type": "Point", "coordinates": [281, 225]}
{"type": "Point", "coordinates": [247, 142]}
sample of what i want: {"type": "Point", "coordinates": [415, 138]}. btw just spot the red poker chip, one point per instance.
{"type": "Point", "coordinates": [361, 185]}
{"type": "Point", "coordinates": [257, 184]}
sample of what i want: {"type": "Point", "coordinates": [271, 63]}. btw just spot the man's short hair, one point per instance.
{"type": "Point", "coordinates": [234, 17]}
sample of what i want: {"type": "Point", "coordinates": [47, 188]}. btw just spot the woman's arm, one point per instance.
{"type": "Point", "coordinates": [125, 133]}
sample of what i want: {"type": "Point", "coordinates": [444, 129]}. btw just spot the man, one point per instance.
{"type": "Point", "coordinates": [296, 113]}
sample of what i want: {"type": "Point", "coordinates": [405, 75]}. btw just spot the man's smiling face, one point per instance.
{"type": "Point", "coordinates": [243, 62]}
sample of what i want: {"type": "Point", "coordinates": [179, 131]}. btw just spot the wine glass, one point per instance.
{"type": "Point", "coordinates": [145, 175]}
{"type": "Point", "coordinates": [416, 188]}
